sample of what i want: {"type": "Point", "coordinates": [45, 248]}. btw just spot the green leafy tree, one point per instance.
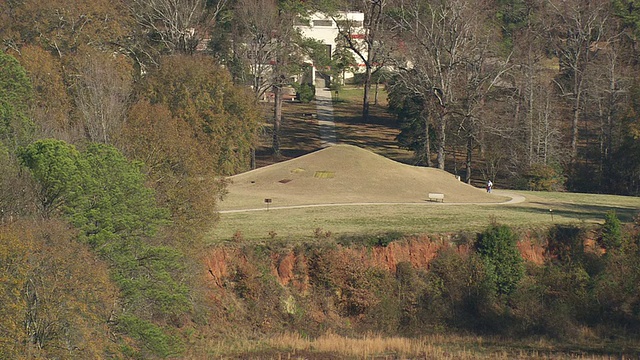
{"type": "Point", "coordinates": [413, 114]}
{"type": "Point", "coordinates": [498, 247]}
{"type": "Point", "coordinates": [512, 15]}
{"type": "Point", "coordinates": [223, 117]}
{"type": "Point", "coordinates": [114, 200]}
{"type": "Point", "coordinates": [629, 12]}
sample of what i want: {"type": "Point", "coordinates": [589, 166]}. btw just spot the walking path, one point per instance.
{"type": "Point", "coordinates": [325, 117]}
{"type": "Point", "coordinates": [515, 199]}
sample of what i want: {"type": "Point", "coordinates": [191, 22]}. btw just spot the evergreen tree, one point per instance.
{"type": "Point", "coordinates": [611, 238]}
{"type": "Point", "coordinates": [15, 94]}
{"type": "Point", "coordinates": [497, 246]}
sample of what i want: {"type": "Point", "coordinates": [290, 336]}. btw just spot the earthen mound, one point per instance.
{"type": "Point", "coordinates": [346, 174]}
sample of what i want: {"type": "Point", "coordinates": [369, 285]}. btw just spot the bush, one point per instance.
{"type": "Point", "coordinates": [611, 238]}
{"type": "Point", "coordinates": [497, 246]}
{"type": "Point", "coordinates": [459, 291]}
{"type": "Point", "coordinates": [305, 92]}
{"type": "Point", "coordinates": [382, 239]}
{"type": "Point", "coordinates": [566, 244]}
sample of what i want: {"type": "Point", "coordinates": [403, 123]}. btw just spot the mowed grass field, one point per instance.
{"type": "Point", "coordinates": [300, 136]}
{"type": "Point", "coordinates": [540, 210]}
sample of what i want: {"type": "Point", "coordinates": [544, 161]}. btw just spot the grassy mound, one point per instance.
{"type": "Point", "coordinates": [346, 174]}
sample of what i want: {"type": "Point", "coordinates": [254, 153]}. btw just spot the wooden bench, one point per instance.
{"type": "Point", "coordinates": [436, 197]}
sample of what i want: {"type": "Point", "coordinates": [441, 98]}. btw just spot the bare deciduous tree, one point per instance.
{"type": "Point", "coordinates": [255, 29]}
{"type": "Point", "coordinates": [269, 46]}
{"type": "Point", "coordinates": [366, 41]}
{"type": "Point", "coordinates": [439, 41]}
{"type": "Point", "coordinates": [577, 25]}
{"type": "Point", "coordinates": [179, 25]}
{"type": "Point", "coordinates": [103, 86]}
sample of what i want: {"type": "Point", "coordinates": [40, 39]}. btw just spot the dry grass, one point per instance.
{"type": "Point", "coordinates": [433, 347]}
{"type": "Point", "coordinates": [346, 174]}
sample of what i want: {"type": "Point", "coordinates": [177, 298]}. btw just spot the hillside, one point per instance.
{"type": "Point", "coordinates": [346, 174]}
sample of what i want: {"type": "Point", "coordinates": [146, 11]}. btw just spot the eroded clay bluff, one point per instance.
{"type": "Point", "coordinates": [290, 266]}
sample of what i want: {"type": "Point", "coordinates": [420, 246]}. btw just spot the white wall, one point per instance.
{"type": "Point", "coordinates": [324, 29]}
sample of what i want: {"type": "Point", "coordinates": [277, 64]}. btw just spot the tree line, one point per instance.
{"type": "Point", "coordinates": [117, 127]}
{"type": "Point", "coordinates": [534, 94]}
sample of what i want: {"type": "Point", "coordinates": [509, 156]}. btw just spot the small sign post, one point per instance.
{"type": "Point", "coordinates": [268, 202]}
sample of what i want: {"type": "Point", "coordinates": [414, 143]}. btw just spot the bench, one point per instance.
{"type": "Point", "coordinates": [436, 197]}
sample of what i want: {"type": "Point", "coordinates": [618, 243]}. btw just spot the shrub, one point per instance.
{"type": "Point", "coordinates": [565, 294]}
{"type": "Point", "coordinates": [305, 92]}
{"type": "Point", "coordinates": [410, 285]}
{"type": "Point", "coordinates": [497, 246]}
{"type": "Point", "coordinates": [611, 237]}
{"type": "Point", "coordinates": [566, 243]}
{"type": "Point", "coordinates": [459, 291]}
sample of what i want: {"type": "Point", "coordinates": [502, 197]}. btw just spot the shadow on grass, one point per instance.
{"type": "Point", "coordinates": [580, 212]}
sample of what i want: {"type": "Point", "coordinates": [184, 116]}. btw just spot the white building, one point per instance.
{"type": "Point", "coordinates": [324, 28]}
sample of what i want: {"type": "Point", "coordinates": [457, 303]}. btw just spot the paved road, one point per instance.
{"type": "Point", "coordinates": [324, 106]}
{"type": "Point", "coordinates": [515, 199]}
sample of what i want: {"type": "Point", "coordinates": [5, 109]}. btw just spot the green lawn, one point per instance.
{"type": "Point", "coordinates": [302, 224]}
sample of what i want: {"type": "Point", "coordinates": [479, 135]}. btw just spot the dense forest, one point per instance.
{"type": "Point", "coordinates": [120, 119]}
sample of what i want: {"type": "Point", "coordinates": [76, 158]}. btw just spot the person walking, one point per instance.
{"type": "Point", "coordinates": [489, 186]}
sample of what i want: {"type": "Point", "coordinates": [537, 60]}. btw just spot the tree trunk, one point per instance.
{"type": "Point", "coordinates": [277, 119]}
{"type": "Point", "coordinates": [253, 158]}
{"type": "Point", "coordinates": [427, 141]}
{"type": "Point", "coordinates": [367, 90]}
{"type": "Point", "coordinates": [576, 117]}
{"type": "Point", "coordinates": [375, 98]}
{"type": "Point", "coordinates": [442, 134]}
{"type": "Point", "coordinates": [467, 176]}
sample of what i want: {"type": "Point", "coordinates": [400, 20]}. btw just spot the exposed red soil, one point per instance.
{"type": "Point", "coordinates": [290, 269]}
